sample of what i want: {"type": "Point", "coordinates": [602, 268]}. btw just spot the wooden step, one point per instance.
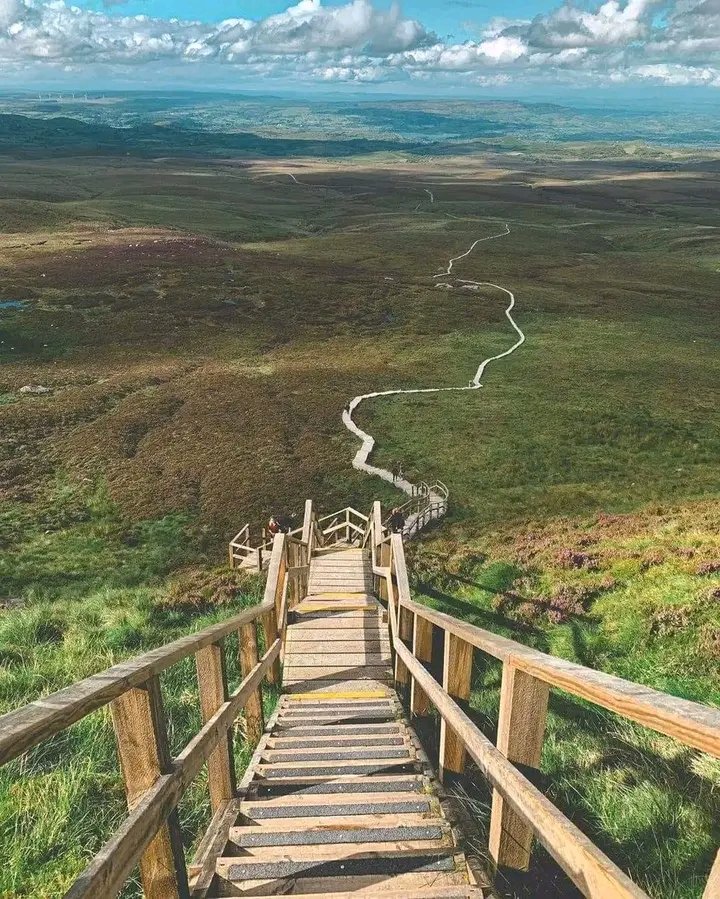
{"type": "Point", "coordinates": [337, 753]}
{"type": "Point", "coordinates": [364, 624]}
{"type": "Point", "coordinates": [323, 613]}
{"type": "Point", "coordinates": [343, 785]}
{"type": "Point", "coordinates": [340, 859]}
{"type": "Point", "coordinates": [326, 714]}
{"type": "Point", "coordinates": [446, 885]}
{"type": "Point", "coordinates": [302, 832]}
{"type": "Point", "coordinates": [298, 672]}
{"type": "Point", "coordinates": [322, 687]}
{"type": "Point", "coordinates": [343, 702]}
{"type": "Point", "coordinates": [333, 643]}
{"type": "Point", "coordinates": [300, 659]}
{"type": "Point", "coordinates": [347, 890]}
{"type": "Point", "coordinates": [336, 769]}
{"type": "Point", "coordinates": [324, 805]}
{"type": "Point", "coordinates": [333, 729]}
{"type": "Point", "coordinates": [307, 631]}
{"type": "Point", "coordinates": [338, 740]}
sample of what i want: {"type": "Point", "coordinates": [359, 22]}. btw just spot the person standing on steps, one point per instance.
{"type": "Point", "coordinates": [397, 521]}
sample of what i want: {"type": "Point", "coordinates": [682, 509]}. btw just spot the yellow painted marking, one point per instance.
{"type": "Point", "coordinates": [357, 694]}
{"type": "Point", "coordinates": [301, 610]}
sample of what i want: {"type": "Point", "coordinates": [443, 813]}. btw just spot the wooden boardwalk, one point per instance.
{"type": "Point", "coordinates": [338, 635]}
{"type": "Point", "coordinates": [339, 800]}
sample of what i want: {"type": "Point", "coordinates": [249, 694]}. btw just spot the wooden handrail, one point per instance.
{"type": "Point", "coordinates": [26, 727]}
{"type": "Point", "coordinates": [110, 868]}
{"type": "Point", "coordinates": [689, 722]}
{"type": "Point", "coordinates": [519, 810]}
{"type": "Point", "coordinates": [154, 780]}
{"type": "Point", "coordinates": [587, 866]}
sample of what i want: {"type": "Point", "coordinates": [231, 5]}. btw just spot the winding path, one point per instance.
{"type": "Point", "coordinates": [360, 462]}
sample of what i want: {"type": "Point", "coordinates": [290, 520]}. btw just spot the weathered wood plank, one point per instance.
{"type": "Point", "coordinates": [521, 727]}
{"type": "Point", "coordinates": [333, 644]}
{"type": "Point", "coordinates": [141, 734]}
{"type": "Point", "coordinates": [298, 658]}
{"type": "Point", "coordinates": [457, 676]}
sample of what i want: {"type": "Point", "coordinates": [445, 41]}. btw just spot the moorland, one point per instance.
{"type": "Point", "coordinates": [193, 309]}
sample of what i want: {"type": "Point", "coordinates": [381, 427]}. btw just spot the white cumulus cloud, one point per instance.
{"type": "Point", "coordinates": [662, 41]}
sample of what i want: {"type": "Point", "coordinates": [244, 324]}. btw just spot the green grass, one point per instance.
{"type": "Point", "coordinates": [95, 590]}
{"type": "Point", "coordinates": [201, 336]}
{"type": "Point", "coordinates": [638, 606]}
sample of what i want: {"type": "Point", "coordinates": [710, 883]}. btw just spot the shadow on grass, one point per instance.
{"type": "Point", "coordinates": [643, 846]}
{"type": "Point", "coordinates": [481, 617]}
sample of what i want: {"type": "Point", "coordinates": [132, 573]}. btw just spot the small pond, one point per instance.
{"type": "Point", "coordinates": [13, 304]}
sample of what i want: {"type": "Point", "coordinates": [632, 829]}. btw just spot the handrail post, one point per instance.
{"type": "Point", "coordinates": [254, 719]}
{"type": "Point", "coordinates": [422, 650]}
{"type": "Point", "coordinates": [457, 675]}
{"type": "Point", "coordinates": [273, 623]}
{"type": "Point", "coordinates": [141, 734]}
{"type": "Point", "coordinates": [213, 689]}
{"type": "Point", "coordinates": [405, 628]}
{"type": "Point", "coordinates": [712, 887]}
{"type": "Point", "coordinates": [270, 627]}
{"type": "Point", "coordinates": [521, 728]}
{"type": "Point", "coordinates": [307, 522]}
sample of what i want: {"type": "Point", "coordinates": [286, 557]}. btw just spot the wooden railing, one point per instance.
{"type": "Point", "coordinates": [427, 504]}
{"type": "Point", "coordinates": [520, 812]}
{"type": "Point", "coordinates": [243, 550]}
{"type": "Point", "coordinates": [345, 526]}
{"type": "Point", "coordinates": [154, 780]}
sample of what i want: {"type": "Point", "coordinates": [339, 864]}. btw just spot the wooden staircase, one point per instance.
{"type": "Point", "coordinates": [339, 800]}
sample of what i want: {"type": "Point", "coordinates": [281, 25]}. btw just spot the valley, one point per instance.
{"type": "Point", "coordinates": [199, 322]}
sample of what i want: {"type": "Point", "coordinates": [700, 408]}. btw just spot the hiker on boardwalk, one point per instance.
{"type": "Point", "coordinates": [274, 526]}
{"type": "Point", "coordinates": [397, 521]}
{"type": "Point", "coordinates": [286, 523]}
{"type": "Point", "coordinates": [397, 472]}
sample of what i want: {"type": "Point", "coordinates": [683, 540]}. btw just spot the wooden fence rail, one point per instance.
{"type": "Point", "coordinates": [520, 812]}
{"type": "Point", "coordinates": [154, 780]}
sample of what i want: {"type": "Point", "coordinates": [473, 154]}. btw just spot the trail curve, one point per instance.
{"type": "Point", "coordinates": [360, 461]}
{"type": "Point", "coordinates": [368, 443]}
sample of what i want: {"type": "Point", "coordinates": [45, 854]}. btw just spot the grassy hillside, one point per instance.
{"type": "Point", "coordinates": [200, 325]}
{"type": "Point", "coordinates": [637, 595]}
{"type": "Point", "coordinates": [90, 589]}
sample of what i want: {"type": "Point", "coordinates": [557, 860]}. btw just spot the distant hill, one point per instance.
{"type": "Point", "coordinates": [24, 136]}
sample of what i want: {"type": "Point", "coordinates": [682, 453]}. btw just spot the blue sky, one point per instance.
{"type": "Point", "coordinates": [421, 47]}
{"type": "Point", "coordinates": [445, 18]}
